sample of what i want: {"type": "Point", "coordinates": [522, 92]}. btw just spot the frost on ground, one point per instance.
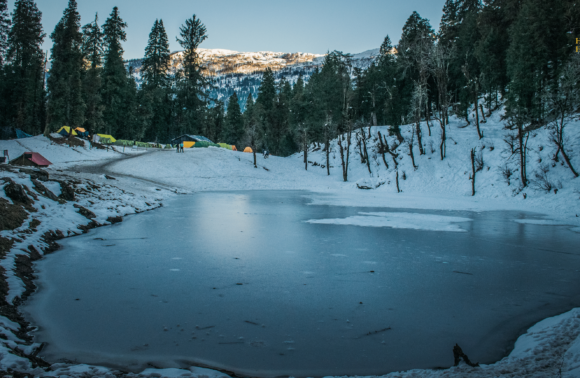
{"type": "Point", "coordinates": [110, 183]}
{"type": "Point", "coordinates": [413, 221]}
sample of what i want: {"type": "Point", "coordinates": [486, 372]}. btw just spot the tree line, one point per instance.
{"type": "Point", "coordinates": [87, 84]}
{"type": "Point", "coordinates": [520, 54]}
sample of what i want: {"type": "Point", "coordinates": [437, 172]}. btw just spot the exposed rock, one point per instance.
{"type": "Point", "coordinates": [114, 220]}
{"type": "Point", "coordinates": [38, 174]}
{"type": "Point", "coordinates": [86, 228]}
{"type": "Point", "coordinates": [45, 191]}
{"type": "Point", "coordinates": [11, 216]}
{"type": "Point", "coordinates": [85, 212]}
{"type": "Point", "coordinates": [109, 177]}
{"type": "Point", "coordinates": [66, 191]}
{"type": "Point", "coordinates": [16, 192]}
{"type": "Point", "coordinates": [50, 238]}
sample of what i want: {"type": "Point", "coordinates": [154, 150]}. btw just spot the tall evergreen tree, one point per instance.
{"type": "Point", "coordinates": [156, 83]}
{"type": "Point", "coordinates": [190, 96]}
{"type": "Point", "coordinates": [65, 102]}
{"type": "Point", "coordinates": [24, 75]}
{"type": "Point", "coordinates": [233, 130]}
{"type": "Point", "coordinates": [266, 99]}
{"type": "Point", "coordinates": [115, 82]}
{"type": "Point", "coordinates": [93, 55]}
{"type": "Point", "coordinates": [155, 66]}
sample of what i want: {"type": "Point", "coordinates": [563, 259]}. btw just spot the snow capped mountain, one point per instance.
{"type": "Point", "coordinates": [242, 71]}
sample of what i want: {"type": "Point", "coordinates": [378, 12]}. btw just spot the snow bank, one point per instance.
{"type": "Point", "coordinates": [61, 155]}
{"type": "Point", "coordinates": [399, 220]}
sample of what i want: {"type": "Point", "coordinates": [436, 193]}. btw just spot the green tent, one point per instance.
{"type": "Point", "coordinates": [225, 145]}
{"type": "Point", "coordinates": [203, 144]}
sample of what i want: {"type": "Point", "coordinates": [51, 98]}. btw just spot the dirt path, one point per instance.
{"type": "Point", "coordinates": [104, 169]}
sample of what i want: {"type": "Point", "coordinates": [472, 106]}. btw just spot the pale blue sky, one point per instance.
{"type": "Point", "coordinates": [313, 26]}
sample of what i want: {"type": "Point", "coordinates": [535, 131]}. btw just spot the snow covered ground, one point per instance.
{"type": "Point", "coordinates": [144, 178]}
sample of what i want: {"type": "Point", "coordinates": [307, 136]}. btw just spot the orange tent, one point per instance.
{"type": "Point", "coordinates": [234, 148]}
{"type": "Point", "coordinates": [248, 149]}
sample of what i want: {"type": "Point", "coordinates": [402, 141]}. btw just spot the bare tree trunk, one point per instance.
{"type": "Point", "coordinates": [327, 156]}
{"type": "Point", "coordinates": [442, 146]}
{"type": "Point", "coordinates": [366, 154]}
{"type": "Point", "coordinates": [419, 140]}
{"type": "Point", "coordinates": [476, 111]}
{"type": "Point", "coordinates": [344, 174]}
{"type": "Point", "coordinates": [348, 143]}
{"type": "Point", "coordinates": [472, 172]}
{"type": "Point", "coordinates": [397, 180]}
{"type": "Point", "coordinates": [522, 156]}
{"type": "Point", "coordinates": [412, 155]}
{"type": "Point", "coordinates": [568, 160]}
{"type": "Point", "coordinates": [305, 153]}
{"type": "Point", "coordinates": [482, 113]}
{"type": "Point", "coordinates": [383, 150]}
{"type": "Point", "coordinates": [428, 116]}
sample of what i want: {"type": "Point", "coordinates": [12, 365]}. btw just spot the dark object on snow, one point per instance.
{"type": "Point", "coordinates": [110, 177]}
{"type": "Point", "coordinates": [21, 134]}
{"type": "Point", "coordinates": [45, 191]}
{"type": "Point", "coordinates": [114, 220]}
{"type": "Point", "coordinates": [38, 174]}
{"type": "Point", "coordinates": [31, 159]}
{"type": "Point", "coordinates": [266, 154]}
{"type": "Point", "coordinates": [85, 212]}
{"type": "Point", "coordinates": [16, 192]}
{"type": "Point", "coordinates": [458, 355]}
{"type": "Point", "coordinates": [66, 192]}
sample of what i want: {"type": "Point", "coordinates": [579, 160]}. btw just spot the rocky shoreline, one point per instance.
{"type": "Point", "coordinates": [26, 236]}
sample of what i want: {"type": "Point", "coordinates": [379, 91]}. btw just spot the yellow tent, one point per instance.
{"type": "Point", "coordinates": [248, 149]}
{"type": "Point", "coordinates": [113, 140]}
{"type": "Point", "coordinates": [66, 130]}
{"type": "Point", "coordinates": [188, 144]}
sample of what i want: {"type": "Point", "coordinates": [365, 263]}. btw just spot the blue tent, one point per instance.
{"type": "Point", "coordinates": [21, 134]}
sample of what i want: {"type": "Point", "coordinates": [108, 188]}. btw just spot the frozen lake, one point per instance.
{"type": "Point", "coordinates": [241, 281]}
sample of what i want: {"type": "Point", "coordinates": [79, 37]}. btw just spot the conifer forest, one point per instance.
{"type": "Point", "coordinates": [521, 54]}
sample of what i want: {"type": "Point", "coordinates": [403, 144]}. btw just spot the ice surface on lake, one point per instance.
{"type": "Point", "coordinates": [399, 220]}
{"type": "Point", "coordinates": [209, 279]}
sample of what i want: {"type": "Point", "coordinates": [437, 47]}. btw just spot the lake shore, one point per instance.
{"type": "Point", "coordinates": [549, 346]}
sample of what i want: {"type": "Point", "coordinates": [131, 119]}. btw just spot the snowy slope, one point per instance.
{"type": "Point", "coordinates": [550, 348]}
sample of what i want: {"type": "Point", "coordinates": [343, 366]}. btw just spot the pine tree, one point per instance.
{"type": "Point", "coordinates": [156, 83]}
{"type": "Point", "coordinates": [233, 130]}
{"type": "Point", "coordinates": [267, 91]}
{"type": "Point", "coordinates": [115, 82]}
{"type": "Point", "coordinates": [93, 54]}
{"type": "Point", "coordinates": [65, 102]}
{"type": "Point", "coordinates": [25, 108]}
{"type": "Point", "coordinates": [190, 95]}
{"type": "Point", "coordinates": [156, 62]}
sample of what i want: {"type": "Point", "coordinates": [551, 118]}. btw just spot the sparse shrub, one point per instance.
{"type": "Point", "coordinates": [431, 146]}
{"type": "Point", "coordinates": [541, 180]}
{"type": "Point", "coordinates": [478, 160]}
{"type": "Point", "coordinates": [404, 176]}
{"type": "Point", "coordinates": [506, 173]}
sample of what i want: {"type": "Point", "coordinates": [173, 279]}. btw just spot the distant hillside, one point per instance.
{"type": "Point", "coordinates": [242, 71]}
